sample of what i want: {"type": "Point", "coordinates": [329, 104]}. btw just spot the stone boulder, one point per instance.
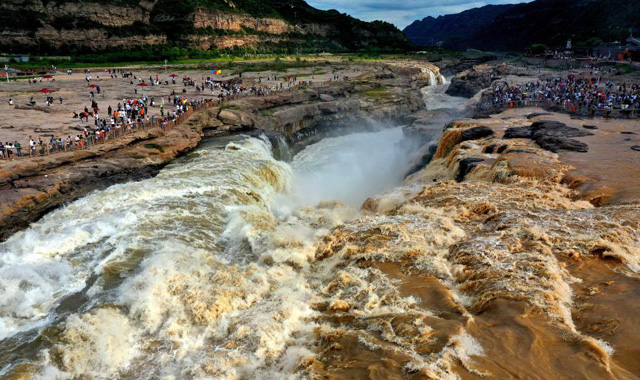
{"type": "Point", "coordinates": [236, 118]}
{"type": "Point", "coordinates": [551, 135]}
{"type": "Point", "coordinates": [468, 83]}
{"type": "Point", "coordinates": [476, 133]}
{"type": "Point", "coordinates": [466, 166]}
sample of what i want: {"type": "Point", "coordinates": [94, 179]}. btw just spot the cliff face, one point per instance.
{"type": "Point", "coordinates": [31, 188]}
{"type": "Point", "coordinates": [69, 26]}
{"type": "Point", "coordinates": [516, 27]}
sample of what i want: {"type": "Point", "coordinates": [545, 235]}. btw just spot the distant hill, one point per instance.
{"type": "Point", "coordinates": [516, 27]}
{"type": "Point", "coordinates": [81, 27]}
{"type": "Point", "coordinates": [450, 28]}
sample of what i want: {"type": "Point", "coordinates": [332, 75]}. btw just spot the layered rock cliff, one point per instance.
{"type": "Point", "coordinates": [68, 27]}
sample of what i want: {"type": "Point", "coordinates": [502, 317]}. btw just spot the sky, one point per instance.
{"type": "Point", "coordinates": [403, 12]}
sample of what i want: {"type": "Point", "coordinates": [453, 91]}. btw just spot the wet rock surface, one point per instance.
{"type": "Point", "coordinates": [31, 188]}
{"type": "Point", "coordinates": [551, 135]}
{"type": "Point", "coordinates": [476, 133]}
{"type": "Point", "coordinates": [467, 84]}
{"type": "Point", "coordinates": [466, 166]}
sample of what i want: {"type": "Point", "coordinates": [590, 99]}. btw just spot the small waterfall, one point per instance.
{"type": "Point", "coordinates": [442, 79]}
{"type": "Point", "coordinates": [433, 81]}
{"type": "Point", "coordinates": [281, 149]}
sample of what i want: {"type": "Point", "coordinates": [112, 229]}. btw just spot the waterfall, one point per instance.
{"type": "Point", "coordinates": [216, 248]}
{"type": "Point", "coordinates": [433, 81]}
{"type": "Point", "coordinates": [281, 149]}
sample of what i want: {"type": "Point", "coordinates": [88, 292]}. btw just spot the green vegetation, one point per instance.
{"type": "Point", "coordinates": [538, 49]}
{"type": "Point", "coordinates": [268, 112]}
{"type": "Point", "coordinates": [626, 69]}
{"type": "Point", "coordinates": [379, 92]}
{"type": "Point", "coordinates": [174, 19]}
{"type": "Point", "coordinates": [155, 146]}
{"type": "Point", "coordinates": [230, 107]}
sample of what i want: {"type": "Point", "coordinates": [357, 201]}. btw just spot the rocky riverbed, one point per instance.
{"type": "Point", "coordinates": [31, 188]}
{"type": "Point", "coordinates": [509, 250]}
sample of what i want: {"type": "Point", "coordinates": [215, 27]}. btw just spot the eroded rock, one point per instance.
{"type": "Point", "coordinates": [551, 135]}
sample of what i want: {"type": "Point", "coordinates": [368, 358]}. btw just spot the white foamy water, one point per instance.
{"type": "Point", "coordinates": [200, 272]}
{"type": "Point", "coordinates": [436, 97]}
{"type": "Point", "coordinates": [205, 271]}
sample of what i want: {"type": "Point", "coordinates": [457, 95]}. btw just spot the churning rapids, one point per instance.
{"type": "Point", "coordinates": [201, 272]}
{"type": "Point", "coordinates": [231, 264]}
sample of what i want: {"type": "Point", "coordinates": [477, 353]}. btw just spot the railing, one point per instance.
{"type": "Point", "coordinates": [86, 143]}
{"type": "Point", "coordinates": [569, 108]}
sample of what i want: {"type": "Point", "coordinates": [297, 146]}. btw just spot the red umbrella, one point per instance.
{"type": "Point", "coordinates": [143, 85]}
{"type": "Point", "coordinates": [47, 77]}
{"type": "Point", "coordinates": [173, 75]}
{"type": "Point", "coordinates": [46, 90]}
{"type": "Point", "coordinates": [93, 86]}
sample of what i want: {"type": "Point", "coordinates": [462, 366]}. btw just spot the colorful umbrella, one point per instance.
{"type": "Point", "coordinates": [173, 75]}
{"type": "Point", "coordinates": [47, 77]}
{"type": "Point", "coordinates": [46, 90]}
{"type": "Point", "coordinates": [93, 86]}
{"type": "Point", "coordinates": [142, 84]}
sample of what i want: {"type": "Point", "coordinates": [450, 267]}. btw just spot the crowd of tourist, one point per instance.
{"type": "Point", "coordinates": [133, 113]}
{"type": "Point", "coordinates": [581, 95]}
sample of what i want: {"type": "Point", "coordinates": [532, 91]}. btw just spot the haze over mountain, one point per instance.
{"type": "Point", "coordinates": [516, 27]}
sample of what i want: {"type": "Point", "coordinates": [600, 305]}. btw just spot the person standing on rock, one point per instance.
{"type": "Point", "coordinates": [32, 145]}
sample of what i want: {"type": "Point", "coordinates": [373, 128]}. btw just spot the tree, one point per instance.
{"type": "Point", "coordinates": [538, 49]}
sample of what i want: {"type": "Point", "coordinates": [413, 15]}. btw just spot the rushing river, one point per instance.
{"type": "Point", "coordinates": [199, 270]}
{"type": "Point", "coordinates": [204, 271]}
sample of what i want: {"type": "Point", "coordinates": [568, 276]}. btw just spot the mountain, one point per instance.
{"type": "Point", "coordinates": [516, 27]}
{"type": "Point", "coordinates": [445, 29]}
{"type": "Point", "coordinates": [81, 27]}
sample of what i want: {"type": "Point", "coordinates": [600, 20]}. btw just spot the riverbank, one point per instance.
{"type": "Point", "coordinates": [585, 91]}
{"type": "Point", "coordinates": [382, 93]}
{"type": "Point", "coordinates": [489, 258]}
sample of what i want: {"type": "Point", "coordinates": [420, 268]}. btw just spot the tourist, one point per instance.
{"type": "Point", "coordinates": [9, 148]}
{"type": "Point", "coordinates": [32, 146]}
{"type": "Point", "coordinates": [574, 95]}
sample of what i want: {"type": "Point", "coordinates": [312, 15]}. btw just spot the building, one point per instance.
{"type": "Point", "coordinates": [622, 51]}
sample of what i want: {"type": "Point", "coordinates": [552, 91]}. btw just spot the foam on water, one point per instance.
{"type": "Point", "coordinates": [436, 97]}
{"type": "Point", "coordinates": [208, 263]}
